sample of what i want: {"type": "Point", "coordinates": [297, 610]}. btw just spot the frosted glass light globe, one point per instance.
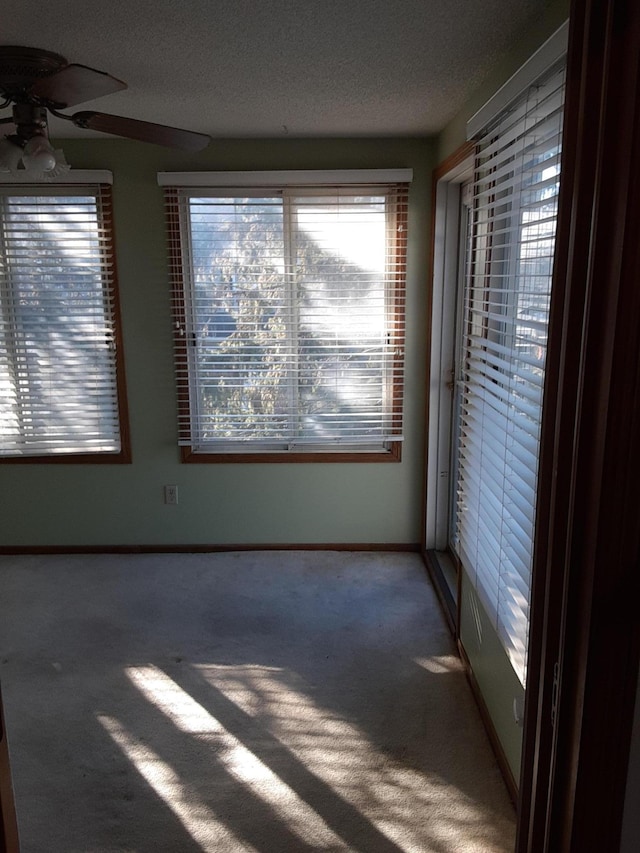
{"type": "Point", "coordinates": [38, 155]}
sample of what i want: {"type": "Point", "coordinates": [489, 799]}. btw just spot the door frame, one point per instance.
{"type": "Point", "coordinates": [8, 823]}
{"type": "Point", "coordinates": [585, 633]}
{"type": "Point", "coordinates": [584, 649]}
{"type": "Point", "coordinates": [447, 181]}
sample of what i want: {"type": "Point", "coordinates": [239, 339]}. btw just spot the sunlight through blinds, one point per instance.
{"type": "Point", "coordinates": [58, 389]}
{"type": "Point", "coordinates": [289, 316]}
{"type": "Point", "coordinates": [502, 357]}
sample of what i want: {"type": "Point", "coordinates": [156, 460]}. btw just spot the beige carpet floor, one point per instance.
{"type": "Point", "coordinates": [255, 701]}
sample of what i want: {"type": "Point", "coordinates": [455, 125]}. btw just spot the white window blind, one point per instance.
{"type": "Point", "coordinates": [289, 317]}
{"type": "Point", "coordinates": [58, 388]}
{"type": "Point", "coordinates": [502, 357]}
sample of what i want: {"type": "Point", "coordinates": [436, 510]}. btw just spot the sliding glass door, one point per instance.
{"type": "Point", "coordinates": [501, 347]}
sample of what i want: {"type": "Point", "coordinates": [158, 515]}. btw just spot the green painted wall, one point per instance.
{"type": "Point", "coordinates": [232, 503]}
{"type": "Point", "coordinates": [494, 674]}
{"type": "Point", "coordinates": [492, 669]}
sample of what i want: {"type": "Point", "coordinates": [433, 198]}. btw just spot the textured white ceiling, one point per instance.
{"type": "Point", "coordinates": [270, 68]}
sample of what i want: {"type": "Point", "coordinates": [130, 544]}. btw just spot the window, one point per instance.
{"type": "Point", "coordinates": [61, 377]}
{"type": "Point", "coordinates": [289, 316]}
{"type": "Point", "coordinates": [501, 356]}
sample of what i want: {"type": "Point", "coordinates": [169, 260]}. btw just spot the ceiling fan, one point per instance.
{"type": "Point", "coordinates": [37, 82]}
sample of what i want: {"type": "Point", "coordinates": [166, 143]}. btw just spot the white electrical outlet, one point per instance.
{"type": "Point", "coordinates": [171, 495]}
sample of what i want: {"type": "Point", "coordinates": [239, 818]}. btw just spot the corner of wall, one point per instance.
{"type": "Point", "coordinates": [555, 13]}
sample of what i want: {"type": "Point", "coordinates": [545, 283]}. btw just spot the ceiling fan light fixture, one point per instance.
{"type": "Point", "coordinates": [38, 155]}
{"type": "Point", "coordinates": [36, 161]}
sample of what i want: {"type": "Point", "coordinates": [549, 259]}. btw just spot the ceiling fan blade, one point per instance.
{"type": "Point", "coordinates": [144, 131]}
{"type": "Point", "coordinates": [75, 84]}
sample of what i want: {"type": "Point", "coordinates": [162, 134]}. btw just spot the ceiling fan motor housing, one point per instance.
{"type": "Point", "coordinates": [20, 67]}
{"type": "Point", "coordinates": [30, 120]}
